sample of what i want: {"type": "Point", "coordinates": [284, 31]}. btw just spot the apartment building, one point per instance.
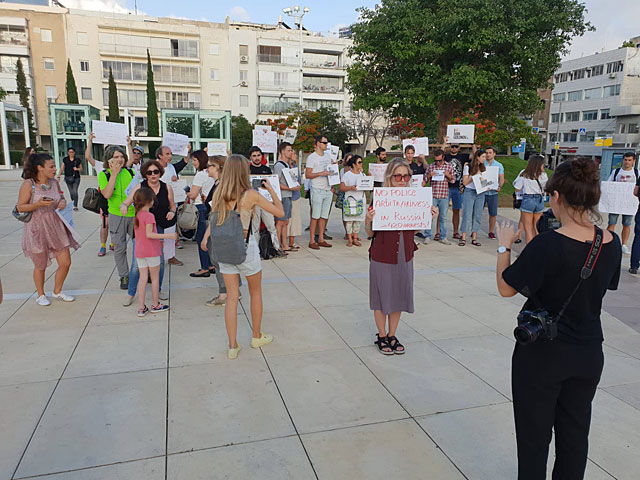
{"type": "Point", "coordinates": [596, 96]}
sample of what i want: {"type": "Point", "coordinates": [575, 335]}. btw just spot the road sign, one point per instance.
{"type": "Point", "coordinates": [517, 148]}
{"type": "Point", "coordinates": [535, 130]}
{"type": "Point", "coordinates": [604, 141]}
{"type": "Point", "coordinates": [556, 146]}
{"type": "Point", "coordinates": [582, 131]}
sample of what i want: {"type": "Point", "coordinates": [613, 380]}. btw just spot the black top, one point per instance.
{"type": "Point", "coordinates": [68, 167]}
{"type": "Point", "coordinates": [457, 162]}
{"type": "Point", "coordinates": [261, 170]}
{"type": "Point", "coordinates": [160, 205]}
{"type": "Point", "coordinates": [547, 271]}
{"type": "Point", "coordinates": [417, 169]}
{"type": "Point", "coordinates": [179, 165]}
{"type": "Point", "coordinates": [638, 185]}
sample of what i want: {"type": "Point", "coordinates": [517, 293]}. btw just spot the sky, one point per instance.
{"type": "Point", "coordinates": [328, 15]}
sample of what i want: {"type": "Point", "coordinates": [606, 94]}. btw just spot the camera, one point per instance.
{"type": "Point", "coordinates": [535, 324]}
{"type": "Point", "coordinates": [256, 183]}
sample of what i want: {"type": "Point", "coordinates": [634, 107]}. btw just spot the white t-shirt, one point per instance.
{"type": "Point", "coordinates": [530, 187]}
{"type": "Point", "coordinates": [350, 179]}
{"type": "Point", "coordinates": [627, 176]}
{"type": "Point", "coordinates": [465, 171]}
{"type": "Point", "coordinates": [319, 164]}
{"type": "Point", "coordinates": [169, 173]}
{"type": "Point", "coordinates": [98, 167]}
{"type": "Point", "coordinates": [205, 182]}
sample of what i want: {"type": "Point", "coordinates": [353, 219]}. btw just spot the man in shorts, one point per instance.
{"type": "Point", "coordinates": [285, 153]}
{"type": "Point", "coordinates": [317, 170]}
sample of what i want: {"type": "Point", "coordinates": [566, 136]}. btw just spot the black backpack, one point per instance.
{"type": "Point", "coordinates": [617, 171]}
{"type": "Point", "coordinates": [267, 250]}
{"type": "Point", "coordinates": [93, 199]}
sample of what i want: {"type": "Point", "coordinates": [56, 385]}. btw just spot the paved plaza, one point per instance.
{"type": "Point", "coordinates": [88, 391]}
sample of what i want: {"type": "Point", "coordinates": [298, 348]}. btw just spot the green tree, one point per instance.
{"type": "Point", "coordinates": [334, 126]}
{"type": "Point", "coordinates": [72, 90]}
{"type": "Point", "coordinates": [241, 135]}
{"type": "Point", "coordinates": [153, 128]}
{"type": "Point", "coordinates": [114, 110]}
{"type": "Point", "coordinates": [421, 58]}
{"type": "Point", "coordinates": [23, 93]}
{"type": "Point", "coordinates": [628, 43]}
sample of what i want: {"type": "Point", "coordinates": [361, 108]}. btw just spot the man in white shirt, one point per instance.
{"type": "Point", "coordinates": [285, 153]}
{"type": "Point", "coordinates": [628, 173]}
{"type": "Point", "coordinates": [317, 170]}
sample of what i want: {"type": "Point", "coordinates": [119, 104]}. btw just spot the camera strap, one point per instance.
{"type": "Point", "coordinates": [587, 269]}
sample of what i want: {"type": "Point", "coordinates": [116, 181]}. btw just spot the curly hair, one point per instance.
{"type": "Point", "coordinates": [31, 166]}
{"type": "Point", "coordinates": [151, 163]}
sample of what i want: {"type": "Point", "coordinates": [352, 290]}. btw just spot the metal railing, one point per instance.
{"type": "Point", "coordinates": [278, 59]}
{"type": "Point", "coordinates": [310, 87]}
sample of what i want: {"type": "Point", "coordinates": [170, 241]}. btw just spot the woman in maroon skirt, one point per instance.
{"type": "Point", "coordinates": [391, 268]}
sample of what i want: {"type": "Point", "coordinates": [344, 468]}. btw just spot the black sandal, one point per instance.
{"type": "Point", "coordinates": [396, 346]}
{"type": "Point", "coordinates": [475, 243]}
{"type": "Point", "coordinates": [382, 343]}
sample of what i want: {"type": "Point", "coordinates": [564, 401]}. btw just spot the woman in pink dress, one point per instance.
{"type": "Point", "coordinates": [45, 235]}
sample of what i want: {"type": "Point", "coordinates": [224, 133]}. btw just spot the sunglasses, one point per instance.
{"type": "Point", "coordinates": [359, 163]}
{"type": "Point", "coordinates": [326, 143]}
{"type": "Point", "coordinates": [153, 172]}
{"type": "Point", "coordinates": [455, 146]}
{"type": "Point", "coordinates": [397, 177]}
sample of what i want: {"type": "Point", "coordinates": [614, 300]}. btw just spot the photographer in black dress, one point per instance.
{"type": "Point", "coordinates": [558, 359]}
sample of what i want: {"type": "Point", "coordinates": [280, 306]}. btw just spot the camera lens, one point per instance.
{"type": "Point", "coordinates": [527, 333]}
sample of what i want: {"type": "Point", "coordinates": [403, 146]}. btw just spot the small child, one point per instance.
{"type": "Point", "coordinates": [148, 249]}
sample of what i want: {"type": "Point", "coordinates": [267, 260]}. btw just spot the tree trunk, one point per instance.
{"type": "Point", "coordinates": [446, 109]}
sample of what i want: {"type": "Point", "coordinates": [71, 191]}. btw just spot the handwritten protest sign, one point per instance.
{"type": "Point", "coordinates": [617, 197]}
{"type": "Point", "coordinates": [377, 170]}
{"type": "Point", "coordinates": [109, 133]}
{"type": "Point", "coordinates": [275, 184]}
{"type": "Point", "coordinates": [334, 175]}
{"type": "Point", "coordinates": [487, 180]}
{"type": "Point", "coordinates": [179, 195]}
{"type": "Point", "coordinates": [267, 141]}
{"type": "Point", "coordinates": [438, 176]}
{"type": "Point", "coordinates": [461, 133]}
{"type": "Point", "coordinates": [290, 135]}
{"type": "Point", "coordinates": [178, 143]}
{"type": "Point", "coordinates": [416, 181]}
{"type": "Point", "coordinates": [364, 183]}
{"type": "Point", "coordinates": [402, 208]}
{"type": "Point", "coordinates": [292, 177]}
{"type": "Point", "coordinates": [421, 144]}
{"type": "Point", "coordinates": [217, 148]}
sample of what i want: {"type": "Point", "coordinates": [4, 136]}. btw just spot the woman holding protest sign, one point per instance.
{"type": "Point", "coordinates": [353, 201]}
{"type": "Point", "coordinates": [472, 201]}
{"type": "Point", "coordinates": [391, 268]}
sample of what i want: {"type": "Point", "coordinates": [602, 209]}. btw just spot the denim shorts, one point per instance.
{"type": "Point", "coordinates": [532, 203]}
{"type": "Point", "coordinates": [286, 206]}
{"type": "Point", "coordinates": [456, 198]}
{"type": "Point", "coordinates": [627, 220]}
{"type": "Point", "coordinates": [491, 201]}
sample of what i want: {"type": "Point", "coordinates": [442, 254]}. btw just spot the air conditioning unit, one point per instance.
{"type": "Point", "coordinates": [244, 59]}
{"type": "Point", "coordinates": [244, 84]}
{"type": "Point", "coordinates": [612, 75]}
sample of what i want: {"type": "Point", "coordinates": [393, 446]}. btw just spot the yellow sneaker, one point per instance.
{"type": "Point", "coordinates": [233, 352]}
{"type": "Point", "coordinates": [263, 340]}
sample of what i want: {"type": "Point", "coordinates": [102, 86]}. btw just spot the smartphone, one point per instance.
{"type": "Point", "coordinates": [256, 183]}
{"type": "Point", "coordinates": [48, 199]}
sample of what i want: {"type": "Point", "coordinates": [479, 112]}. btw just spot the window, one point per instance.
{"type": "Point", "coordinates": [269, 54]}
{"type": "Point", "coordinates": [588, 137]}
{"type": "Point", "coordinates": [86, 93]}
{"type": "Point", "coordinates": [316, 104]}
{"type": "Point", "coordinates": [276, 104]}
{"type": "Point", "coordinates": [597, 70]}
{"type": "Point", "coordinates": [178, 100]}
{"type": "Point", "coordinates": [280, 78]}
{"type": "Point", "coordinates": [590, 93]}
{"type": "Point", "coordinates": [559, 97]}
{"type": "Point", "coordinates": [84, 66]}
{"type": "Point", "coordinates": [555, 117]}
{"type": "Point", "coordinates": [633, 128]}
{"type": "Point", "coordinates": [52, 93]}
{"type": "Point", "coordinates": [184, 48]}
{"type": "Point", "coordinates": [321, 84]}
{"type": "Point", "coordinates": [605, 114]}
{"type": "Point", "coordinates": [572, 116]}
{"type": "Point", "coordinates": [13, 35]}
{"type": "Point", "coordinates": [622, 127]}
{"type": "Point", "coordinates": [578, 74]}
{"type": "Point", "coordinates": [215, 74]}
{"type": "Point", "coordinates": [323, 60]}
{"type": "Point", "coordinates": [244, 100]}
{"type": "Point", "coordinates": [570, 137]}
{"type": "Point", "coordinates": [127, 98]}
{"type": "Point", "coordinates": [614, 67]}
{"type": "Point", "coordinates": [575, 96]}
{"type": "Point", "coordinates": [589, 115]}
{"type": "Point", "coordinates": [214, 49]}
{"type": "Point", "coordinates": [612, 91]}
{"type": "Point", "coordinates": [244, 75]}
{"type": "Point", "coordinates": [49, 64]}
{"type": "Point", "coordinates": [214, 100]}
{"type": "Point", "coordinates": [45, 35]}
{"type": "Point", "coordinates": [562, 77]}
{"type": "Point", "coordinates": [82, 38]}
{"type": "Point", "coordinates": [161, 73]}
{"type": "Point", "coordinates": [243, 50]}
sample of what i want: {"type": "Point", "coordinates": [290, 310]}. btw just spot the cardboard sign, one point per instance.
{"type": "Point", "coordinates": [290, 135]}
{"type": "Point", "coordinates": [275, 184]}
{"type": "Point", "coordinates": [292, 177]}
{"type": "Point", "coordinates": [364, 183]}
{"type": "Point", "coordinates": [377, 170]}
{"type": "Point", "coordinates": [179, 195]}
{"type": "Point", "coordinates": [402, 208]}
{"type": "Point", "coordinates": [416, 181]}
{"type": "Point", "coordinates": [421, 144]}
{"type": "Point", "coordinates": [334, 175]}
{"type": "Point", "coordinates": [267, 141]}
{"type": "Point", "coordinates": [617, 197]}
{"type": "Point", "coordinates": [178, 143]}
{"type": "Point", "coordinates": [67, 224]}
{"type": "Point", "coordinates": [262, 128]}
{"type": "Point", "coordinates": [487, 180]}
{"type": "Point", "coordinates": [109, 133]}
{"type": "Point", "coordinates": [217, 148]}
{"type": "Point", "coordinates": [461, 134]}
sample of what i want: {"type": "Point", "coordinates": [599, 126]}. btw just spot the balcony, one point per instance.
{"type": "Point", "coordinates": [277, 59]}
{"type": "Point", "coordinates": [288, 86]}
{"type": "Point", "coordinates": [18, 39]}
{"type": "Point", "coordinates": [317, 63]}
{"type": "Point", "coordinates": [314, 88]}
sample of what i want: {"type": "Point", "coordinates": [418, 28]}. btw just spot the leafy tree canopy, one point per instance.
{"type": "Point", "coordinates": [241, 135]}
{"type": "Point", "coordinates": [420, 58]}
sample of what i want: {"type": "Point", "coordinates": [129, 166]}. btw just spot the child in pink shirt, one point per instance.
{"type": "Point", "coordinates": [148, 249]}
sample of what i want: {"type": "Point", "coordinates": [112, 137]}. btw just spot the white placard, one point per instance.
{"type": "Point", "coordinates": [364, 183]}
{"type": "Point", "coordinates": [487, 180]}
{"type": "Point", "coordinates": [291, 176]}
{"type": "Point", "coordinates": [617, 197]}
{"type": "Point", "coordinates": [416, 181]}
{"type": "Point", "coordinates": [461, 133]}
{"type": "Point", "coordinates": [402, 208]}
{"type": "Point", "coordinates": [267, 141]}
{"type": "Point", "coordinates": [72, 231]}
{"type": "Point", "coordinates": [134, 181]}
{"type": "Point", "coordinates": [262, 128]}
{"type": "Point", "coordinates": [290, 135]}
{"type": "Point", "coordinates": [178, 143]}
{"type": "Point", "coordinates": [179, 195]}
{"type": "Point", "coordinates": [421, 144]}
{"type": "Point", "coordinates": [334, 151]}
{"type": "Point", "coordinates": [217, 148]}
{"type": "Point", "coordinates": [109, 133]}
{"type": "Point", "coordinates": [438, 176]}
{"type": "Point", "coordinates": [334, 175]}
{"type": "Point", "coordinates": [275, 184]}
{"type": "Point", "coordinates": [377, 170]}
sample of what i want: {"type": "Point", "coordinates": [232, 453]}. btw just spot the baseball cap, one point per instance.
{"type": "Point", "coordinates": [138, 148]}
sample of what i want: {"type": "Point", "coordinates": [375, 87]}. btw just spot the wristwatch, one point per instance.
{"type": "Point", "coordinates": [503, 249]}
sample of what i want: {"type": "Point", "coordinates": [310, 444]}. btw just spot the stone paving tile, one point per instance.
{"type": "Point", "coordinates": [151, 469]}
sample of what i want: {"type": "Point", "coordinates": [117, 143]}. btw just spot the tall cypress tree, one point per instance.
{"type": "Point", "coordinates": [23, 92]}
{"type": "Point", "coordinates": [114, 110]}
{"type": "Point", "coordinates": [72, 90]}
{"type": "Point", "coordinates": [153, 127]}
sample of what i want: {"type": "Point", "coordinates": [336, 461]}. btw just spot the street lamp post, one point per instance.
{"type": "Point", "coordinates": [297, 15]}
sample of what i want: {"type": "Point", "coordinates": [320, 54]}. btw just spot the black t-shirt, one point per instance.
{"type": "Point", "coordinates": [547, 271]}
{"type": "Point", "coordinates": [417, 169]}
{"type": "Point", "coordinates": [261, 170]}
{"type": "Point", "coordinates": [68, 167]}
{"type": "Point", "coordinates": [457, 162]}
{"type": "Point", "coordinates": [638, 186]}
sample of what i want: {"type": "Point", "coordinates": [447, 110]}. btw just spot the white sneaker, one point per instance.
{"type": "Point", "coordinates": [444, 241]}
{"type": "Point", "coordinates": [626, 250]}
{"type": "Point", "coordinates": [43, 301]}
{"type": "Point", "coordinates": [426, 241]}
{"type": "Point", "coordinates": [63, 296]}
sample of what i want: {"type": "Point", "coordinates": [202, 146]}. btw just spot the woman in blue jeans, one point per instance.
{"type": "Point", "coordinates": [530, 182]}
{"type": "Point", "coordinates": [472, 201]}
{"type": "Point", "coordinates": [200, 188]}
